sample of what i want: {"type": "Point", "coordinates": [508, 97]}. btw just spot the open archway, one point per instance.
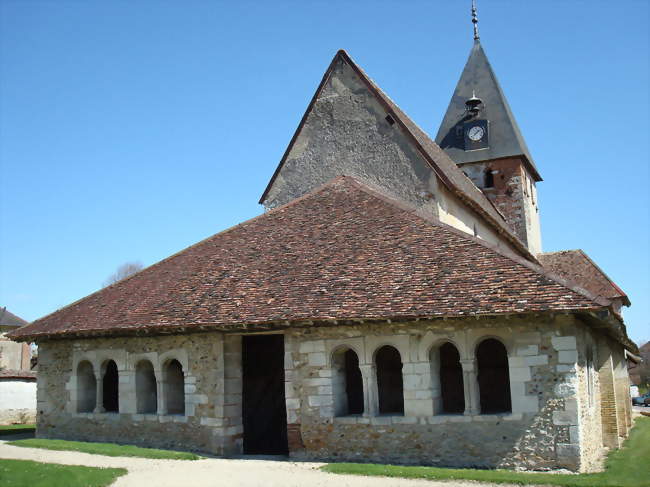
{"type": "Point", "coordinates": [451, 380]}
{"type": "Point", "coordinates": [390, 385]}
{"type": "Point", "coordinates": [493, 377]}
{"type": "Point", "coordinates": [347, 384]}
{"type": "Point", "coordinates": [146, 388]}
{"type": "Point", "coordinates": [86, 387]}
{"type": "Point", "coordinates": [174, 387]}
{"type": "Point", "coordinates": [110, 387]}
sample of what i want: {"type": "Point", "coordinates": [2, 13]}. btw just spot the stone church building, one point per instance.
{"type": "Point", "coordinates": [392, 304]}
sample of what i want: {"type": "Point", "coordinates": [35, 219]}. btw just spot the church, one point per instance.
{"type": "Point", "coordinates": [392, 304]}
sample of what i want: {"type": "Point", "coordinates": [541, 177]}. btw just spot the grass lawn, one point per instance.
{"type": "Point", "coordinates": [12, 429]}
{"type": "Point", "coordinates": [20, 473]}
{"type": "Point", "coordinates": [109, 449]}
{"type": "Point", "coordinates": [626, 467]}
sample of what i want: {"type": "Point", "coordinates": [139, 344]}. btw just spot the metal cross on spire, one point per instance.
{"type": "Point", "coordinates": [475, 20]}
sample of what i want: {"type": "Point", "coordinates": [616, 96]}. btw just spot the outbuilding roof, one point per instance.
{"type": "Point", "coordinates": [576, 266]}
{"type": "Point", "coordinates": [342, 252]}
{"type": "Point", "coordinates": [10, 320]}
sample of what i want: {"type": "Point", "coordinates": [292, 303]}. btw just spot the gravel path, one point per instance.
{"type": "Point", "coordinates": [217, 472]}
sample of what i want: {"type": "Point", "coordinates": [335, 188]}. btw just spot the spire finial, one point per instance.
{"type": "Point", "coordinates": [475, 20]}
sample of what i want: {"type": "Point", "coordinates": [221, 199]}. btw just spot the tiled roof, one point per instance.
{"type": "Point", "coordinates": [446, 169]}
{"type": "Point", "coordinates": [17, 374]}
{"type": "Point", "coordinates": [7, 318]}
{"type": "Point", "coordinates": [577, 267]}
{"type": "Point", "coordinates": [342, 252]}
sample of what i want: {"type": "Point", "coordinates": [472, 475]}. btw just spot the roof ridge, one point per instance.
{"type": "Point", "coordinates": [595, 266]}
{"type": "Point", "coordinates": [468, 193]}
{"type": "Point", "coordinates": [598, 268]}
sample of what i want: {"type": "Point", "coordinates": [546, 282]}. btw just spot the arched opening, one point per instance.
{"type": "Point", "coordinates": [390, 385]}
{"type": "Point", "coordinates": [86, 388]}
{"type": "Point", "coordinates": [451, 380]}
{"type": "Point", "coordinates": [110, 388]}
{"type": "Point", "coordinates": [174, 387]}
{"type": "Point", "coordinates": [145, 388]}
{"type": "Point", "coordinates": [488, 179]}
{"type": "Point", "coordinates": [493, 377]}
{"type": "Point", "coordinates": [347, 385]}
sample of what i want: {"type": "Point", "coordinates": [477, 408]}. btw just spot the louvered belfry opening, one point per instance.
{"type": "Point", "coordinates": [264, 409]}
{"type": "Point", "coordinates": [493, 377]}
{"type": "Point", "coordinates": [111, 388]}
{"type": "Point", "coordinates": [451, 380]}
{"type": "Point", "coordinates": [390, 384]}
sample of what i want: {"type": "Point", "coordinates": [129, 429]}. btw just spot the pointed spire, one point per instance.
{"type": "Point", "coordinates": [475, 20]}
{"type": "Point", "coordinates": [478, 81]}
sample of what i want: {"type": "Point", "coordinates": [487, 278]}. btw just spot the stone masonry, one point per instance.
{"type": "Point", "coordinates": [555, 420]}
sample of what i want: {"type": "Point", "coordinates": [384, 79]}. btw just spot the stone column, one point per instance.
{"type": "Point", "coordinates": [370, 394]}
{"type": "Point", "coordinates": [470, 386]}
{"type": "Point", "coordinates": [161, 407]}
{"type": "Point", "coordinates": [99, 396]}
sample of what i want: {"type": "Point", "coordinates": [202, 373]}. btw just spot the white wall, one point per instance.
{"type": "Point", "coordinates": [17, 400]}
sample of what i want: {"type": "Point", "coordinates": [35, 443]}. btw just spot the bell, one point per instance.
{"type": "Point", "coordinates": [472, 104]}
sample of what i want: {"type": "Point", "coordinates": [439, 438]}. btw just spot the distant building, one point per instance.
{"type": "Point", "coordinates": [637, 364]}
{"type": "Point", "coordinates": [17, 380]}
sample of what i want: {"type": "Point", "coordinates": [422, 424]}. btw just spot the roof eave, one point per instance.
{"type": "Point", "coordinates": [156, 329]}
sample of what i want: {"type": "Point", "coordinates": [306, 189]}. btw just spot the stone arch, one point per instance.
{"type": "Point", "coordinates": [86, 387]}
{"type": "Point", "coordinates": [503, 338]}
{"type": "Point", "coordinates": [146, 388]}
{"type": "Point", "coordinates": [347, 383]}
{"type": "Point", "coordinates": [493, 376]}
{"type": "Point", "coordinates": [432, 340]}
{"type": "Point", "coordinates": [174, 387]}
{"type": "Point", "coordinates": [110, 387]}
{"type": "Point", "coordinates": [390, 383]}
{"type": "Point", "coordinates": [447, 376]}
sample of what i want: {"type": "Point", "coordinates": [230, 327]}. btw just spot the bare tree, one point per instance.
{"type": "Point", "coordinates": [122, 272]}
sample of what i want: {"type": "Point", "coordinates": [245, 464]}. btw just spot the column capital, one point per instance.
{"type": "Point", "coordinates": [468, 364]}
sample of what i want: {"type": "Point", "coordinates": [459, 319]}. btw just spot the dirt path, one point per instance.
{"type": "Point", "coordinates": [216, 472]}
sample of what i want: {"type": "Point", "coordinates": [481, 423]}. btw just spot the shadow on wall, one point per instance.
{"type": "Point", "coordinates": [454, 441]}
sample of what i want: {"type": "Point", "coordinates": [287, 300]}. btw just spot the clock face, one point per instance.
{"type": "Point", "coordinates": [476, 133]}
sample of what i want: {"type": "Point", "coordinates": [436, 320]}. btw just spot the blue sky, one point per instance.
{"type": "Point", "coordinates": [130, 130]}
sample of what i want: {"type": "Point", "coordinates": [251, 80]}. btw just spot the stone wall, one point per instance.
{"type": "Point", "coordinates": [14, 355]}
{"type": "Point", "coordinates": [17, 400]}
{"type": "Point", "coordinates": [514, 193]}
{"type": "Point", "coordinates": [347, 133]}
{"type": "Point", "coordinates": [588, 435]}
{"type": "Point", "coordinates": [207, 425]}
{"type": "Point", "coordinates": [541, 432]}
{"type": "Point", "coordinates": [555, 419]}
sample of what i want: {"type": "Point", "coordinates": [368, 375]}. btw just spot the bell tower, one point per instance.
{"type": "Point", "coordinates": [480, 134]}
